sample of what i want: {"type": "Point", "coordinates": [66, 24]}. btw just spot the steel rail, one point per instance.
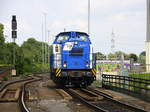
{"type": "Point", "coordinates": [13, 82]}
{"type": "Point", "coordinates": [22, 93]}
{"type": "Point", "coordinates": [22, 103]}
{"type": "Point", "coordinates": [21, 100]}
{"type": "Point", "coordinates": [116, 101]}
{"type": "Point", "coordinates": [103, 109]}
{"type": "Point", "coordinates": [17, 81]}
{"type": "Point", "coordinates": [97, 108]}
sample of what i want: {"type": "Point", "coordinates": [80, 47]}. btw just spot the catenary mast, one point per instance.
{"type": "Point", "coordinates": [148, 38]}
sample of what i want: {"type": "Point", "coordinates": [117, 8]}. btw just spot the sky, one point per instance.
{"type": "Point", "coordinates": [126, 18]}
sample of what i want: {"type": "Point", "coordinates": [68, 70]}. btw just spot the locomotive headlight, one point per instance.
{"type": "Point", "coordinates": [65, 65]}
{"type": "Point", "coordinates": [75, 43]}
{"type": "Point", "coordinates": [87, 64]}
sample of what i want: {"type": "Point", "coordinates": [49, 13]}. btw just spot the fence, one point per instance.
{"type": "Point", "coordinates": [136, 87]}
{"type": "Point", "coordinates": [138, 68]}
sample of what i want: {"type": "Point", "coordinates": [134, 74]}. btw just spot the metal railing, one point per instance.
{"type": "Point", "coordinates": [136, 87]}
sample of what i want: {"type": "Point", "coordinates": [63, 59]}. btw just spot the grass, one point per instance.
{"type": "Point", "coordinates": [140, 75]}
{"type": "Point", "coordinates": [141, 84]}
{"type": "Point", "coordinates": [97, 83]}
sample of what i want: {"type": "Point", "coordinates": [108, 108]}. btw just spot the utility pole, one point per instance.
{"type": "Point", "coordinates": [89, 6]}
{"type": "Point", "coordinates": [42, 45]}
{"type": "Point", "coordinates": [14, 36]}
{"type": "Point", "coordinates": [45, 51]}
{"type": "Point", "coordinates": [148, 38]}
{"type": "Point", "coordinates": [64, 29]}
{"type": "Point", "coordinates": [48, 48]}
{"type": "Point", "coordinates": [113, 42]}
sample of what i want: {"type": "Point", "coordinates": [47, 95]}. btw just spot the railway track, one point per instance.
{"type": "Point", "coordinates": [14, 94]}
{"type": "Point", "coordinates": [22, 99]}
{"type": "Point", "coordinates": [100, 101]}
{"type": "Point", "coordinates": [4, 72]}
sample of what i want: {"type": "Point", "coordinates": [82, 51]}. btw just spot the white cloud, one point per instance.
{"type": "Point", "coordinates": [69, 25]}
{"type": "Point", "coordinates": [100, 4]}
{"type": "Point", "coordinates": [127, 17]}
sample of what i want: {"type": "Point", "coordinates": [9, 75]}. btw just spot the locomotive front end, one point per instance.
{"type": "Point", "coordinates": [73, 60]}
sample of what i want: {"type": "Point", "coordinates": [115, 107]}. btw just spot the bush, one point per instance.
{"type": "Point", "coordinates": [5, 78]}
{"type": "Point", "coordinates": [35, 68]}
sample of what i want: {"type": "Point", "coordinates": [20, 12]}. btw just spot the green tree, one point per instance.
{"type": "Point", "coordinates": [112, 55]}
{"type": "Point", "coordinates": [32, 55]}
{"type": "Point", "coordinates": [142, 57]}
{"type": "Point", "coordinates": [32, 50]}
{"type": "Point", "coordinates": [2, 39]}
{"type": "Point", "coordinates": [143, 53]}
{"type": "Point", "coordinates": [19, 61]}
{"type": "Point", "coordinates": [117, 55]}
{"type": "Point", "coordinates": [8, 52]}
{"type": "Point", "coordinates": [134, 57]}
{"type": "Point", "coordinates": [99, 55]}
{"type": "Point", "coordinates": [2, 43]}
{"type": "Point", "coordinates": [28, 56]}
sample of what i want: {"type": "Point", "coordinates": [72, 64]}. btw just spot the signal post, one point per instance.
{"type": "Point", "coordinates": [14, 36]}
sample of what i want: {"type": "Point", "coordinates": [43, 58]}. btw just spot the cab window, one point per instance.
{"type": "Point", "coordinates": [83, 37]}
{"type": "Point", "coordinates": [62, 38]}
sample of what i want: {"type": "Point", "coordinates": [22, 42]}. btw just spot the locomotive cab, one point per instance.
{"type": "Point", "coordinates": [72, 62]}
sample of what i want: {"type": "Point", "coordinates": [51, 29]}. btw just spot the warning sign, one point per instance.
{"type": "Point", "coordinates": [13, 72]}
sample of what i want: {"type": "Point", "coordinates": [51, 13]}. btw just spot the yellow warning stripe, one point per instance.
{"type": "Point", "coordinates": [58, 72]}
{"type": "Point", "coordinates": [94, 72]}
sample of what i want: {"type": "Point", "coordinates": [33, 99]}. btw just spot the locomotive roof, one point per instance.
{"type": "Point", "coordinates": [63, 33]}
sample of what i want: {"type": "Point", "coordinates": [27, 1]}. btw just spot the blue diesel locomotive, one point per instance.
{"type": "Point", "coordinates": [72, 61]}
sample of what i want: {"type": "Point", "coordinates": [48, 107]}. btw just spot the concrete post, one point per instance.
{"type": "Point", "coordinates": [148, 38]}
{"type": "Point", "coordinates": [148, 57]}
